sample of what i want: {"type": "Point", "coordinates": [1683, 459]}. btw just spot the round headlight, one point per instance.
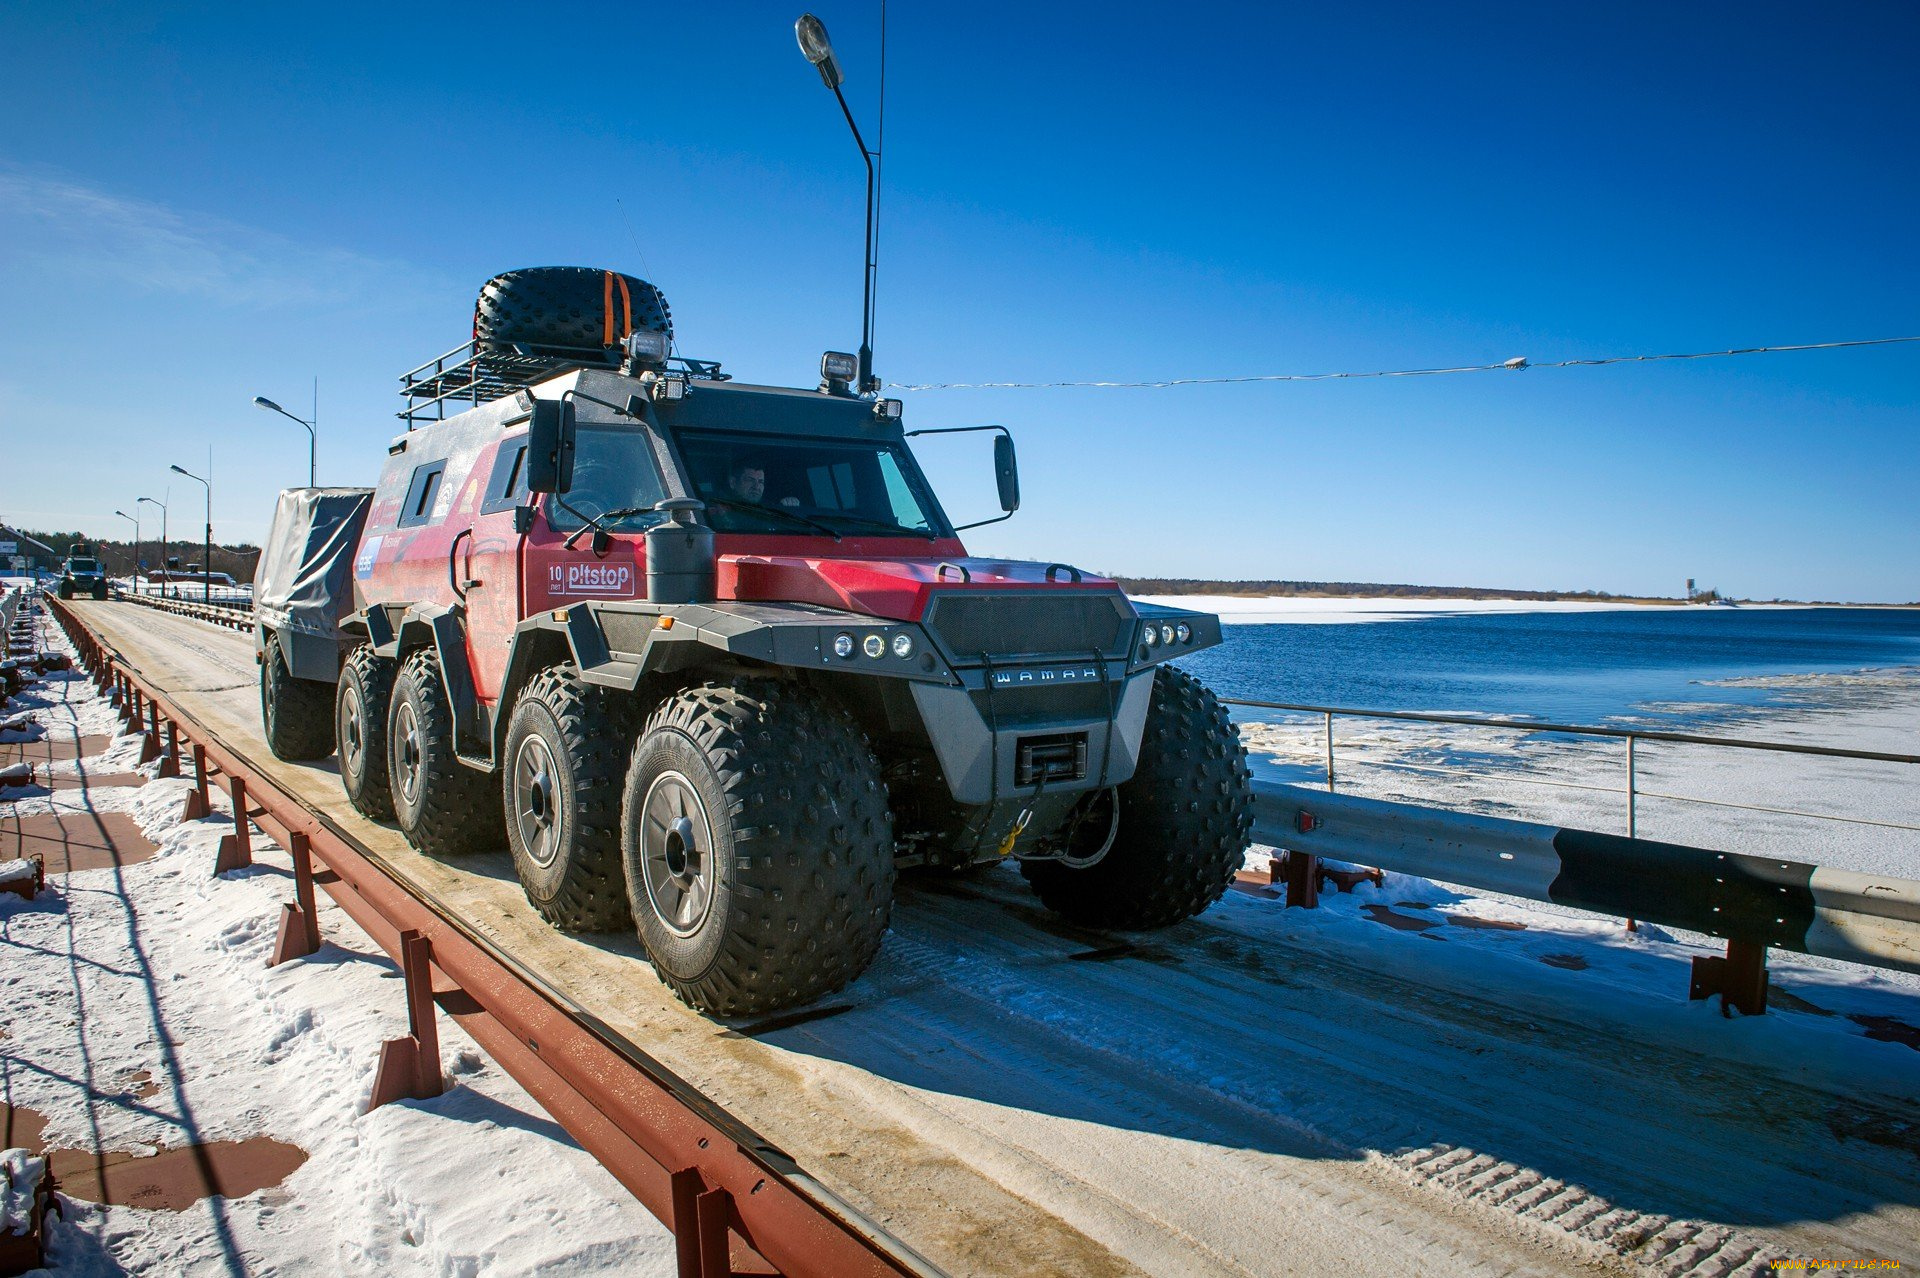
{"type": "Point", "coordinates": [843, 645]}
{"type": "Point", "coordinates": [873, 646]}
{"type": "Point", "coordinates": [1151, 635]}
{"type": "Point", "coordinates": [903, 645]}
{"type": "Point", "coordinates": [1166, 634]}
{"type": "Point", "coordinates": [1183, 632]}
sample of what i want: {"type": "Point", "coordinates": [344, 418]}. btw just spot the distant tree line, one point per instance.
{"type": "Point", "coordinates": [1346, 589]}
{"type": "Point", "coordinates": [238, 560]}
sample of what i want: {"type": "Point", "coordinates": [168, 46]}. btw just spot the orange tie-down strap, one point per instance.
{"type": "Point", "coordinates": [626, 310]}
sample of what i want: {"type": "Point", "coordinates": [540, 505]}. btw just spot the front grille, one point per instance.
{"type": "Point", "coordinates": [1054, 624]}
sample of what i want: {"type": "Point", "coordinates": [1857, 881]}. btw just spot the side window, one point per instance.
{"type": "Point", "coordinates": [418, 507]}
{"type": "Point", "coordinates": [507, 486]}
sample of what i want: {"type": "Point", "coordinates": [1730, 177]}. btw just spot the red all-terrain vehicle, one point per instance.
{"type": "Point", "coordinates": [716, 660]}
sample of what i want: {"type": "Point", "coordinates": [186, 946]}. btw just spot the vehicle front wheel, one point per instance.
{"type": "Point", "coordinates": [566, 754]}
{"type": "Point", "coordinates": [443, 807]}
{"type": "Point", "coordinates": [1183, 825]}
{"type": "Point", "coordinates": [297, 713]}
{"type": "Point", "coordinates": [758, 845]}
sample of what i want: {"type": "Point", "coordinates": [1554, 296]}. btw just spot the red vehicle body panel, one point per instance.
{"type": "Point", "coordinates": [479, 552]}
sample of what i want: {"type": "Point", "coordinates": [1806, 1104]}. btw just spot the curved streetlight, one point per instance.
{"type": "Point", "coordinates": [812, 34]}
{"type": "Point", "coordinates": [135, 521]}
{"type": "Point", "coordinates": [163, 532]}
{"type": "Point", "coordinates": [261, 401]}
{"type": "Point", "coordinates": [206, 565]}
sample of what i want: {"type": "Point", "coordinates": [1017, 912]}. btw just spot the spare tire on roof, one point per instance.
{"type": "Point", "coordinates": [569, 311]}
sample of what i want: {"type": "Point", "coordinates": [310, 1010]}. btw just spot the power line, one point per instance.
{"type": "Point", "coordinates": [1512, 365]}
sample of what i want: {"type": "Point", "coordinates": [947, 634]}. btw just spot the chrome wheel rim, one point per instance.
{"type": "Point", "coordinates": [353, 741]}
{"type": "Point", "coordinates": [536, 801]}
{"type": "Point", "coordinates": [406, 731]}
{"type": "Point", "coordinates": [676, 848]}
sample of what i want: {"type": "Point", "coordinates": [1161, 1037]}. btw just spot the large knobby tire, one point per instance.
{"type": "Point", "coordinates": [64, 589]}
{"type": "Point", "coordinates": [567, 747]}
{"type": "Point", "coordinates": [98, 590]}
{"type": "Point", "coordinates": [443, 807]}
{"type": "Point", "coordinates": [297, 713]}
{"type": "Point", "coordinates": [1185, 820]}
{"type": "Point", "coordinates": [361, 706]}
{"type": "Point", "coordinates": [563, 309]}
{"type": "Point", "coordinates": [758, 846]}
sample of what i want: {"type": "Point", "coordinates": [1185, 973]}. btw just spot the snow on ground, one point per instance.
{"type": "Point", "coordinates": [1870, 811]}
{"type": "Point", "coordinates": [157, 971]}
{"type": "Point", "coordinates": [1312, 610]}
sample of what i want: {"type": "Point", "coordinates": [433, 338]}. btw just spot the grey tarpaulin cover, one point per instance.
{"type": "Point", "coordinates": [305, 581]}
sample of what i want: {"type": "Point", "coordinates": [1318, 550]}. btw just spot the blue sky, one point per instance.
{"type": "Point", "coordinates": [202, 204]}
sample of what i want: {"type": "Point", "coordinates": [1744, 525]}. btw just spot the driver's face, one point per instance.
{"type": "Point", "coordinates": [749, 485]}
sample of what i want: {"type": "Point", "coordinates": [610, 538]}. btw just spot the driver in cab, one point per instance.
{"type": "Point", "coordinates": [747, 483]}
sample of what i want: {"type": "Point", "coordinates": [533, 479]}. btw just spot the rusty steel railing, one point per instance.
{"type": "Point", "coordinates": [729, 1196]}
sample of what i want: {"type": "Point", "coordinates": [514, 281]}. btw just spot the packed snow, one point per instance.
{"type": "Point", "coordinates": [159, 971]}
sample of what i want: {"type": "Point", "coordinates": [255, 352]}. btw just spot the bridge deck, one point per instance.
{"type": "Point", "coordinates": [1243, 1094]}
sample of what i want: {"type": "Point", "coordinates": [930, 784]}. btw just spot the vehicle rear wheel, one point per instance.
{"type": "Point", "coordinates": [1184, 821]}
{"type": "Point", "coordinates": [443, 807]}
{"type": "Point", "coordinates": [758, 846]}
{"type": "Point", "coordinates": [360, 709]}
{"type": "Point", "coordinates": [566, 755]}
{"type": "Point", "coordinates": [297, 713]}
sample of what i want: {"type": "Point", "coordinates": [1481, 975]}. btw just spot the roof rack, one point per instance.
{"type": "Point", "coordinates": [465, 377]}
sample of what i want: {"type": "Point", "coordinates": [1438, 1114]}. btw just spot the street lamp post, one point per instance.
{"type": "Point", "coordinates": [812, 34]}
{"type": "Point", "coordinates": [135, 521]}
{"type": "Point", "coordinates": [206, 564]}
{"type": "Point", "coordinates": [261, 401]}
{"type": "Point", "coordinates": [163, 532]}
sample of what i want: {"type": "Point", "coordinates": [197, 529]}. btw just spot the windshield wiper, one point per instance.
{"type": "Point", "coordinates": [887, 525]}
{"type": "Point", "coordinates": [757, 508]}
{"type": "Point", "coordinates": [596, 524]}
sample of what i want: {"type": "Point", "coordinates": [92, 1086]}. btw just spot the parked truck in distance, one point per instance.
{"type": "Point", "coordinates": [713, 662]}
{"type": "Point", "coordinates": [81, 573]}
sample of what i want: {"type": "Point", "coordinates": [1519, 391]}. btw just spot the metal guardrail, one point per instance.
{"type": "Point", "coordinates": [1754, 903]}
{"type": "Point", "coordinates": [1632, 736]}
{"type": "Point", "coordinates": [720, 1186]}
{"type": "Point", "coordinates": [232, 616]}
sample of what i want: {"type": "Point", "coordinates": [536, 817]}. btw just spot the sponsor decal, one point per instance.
{"type": "Point", "coordinates": [363, 562]}
{"type": "Point", "coordinates": [591, 579]}
{"type": "Point", "coordinates": [1046, 674]}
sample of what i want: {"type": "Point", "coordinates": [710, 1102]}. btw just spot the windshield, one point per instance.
{"type": "Point", "coordinates": [613, 470]}
{"type": "Point", "coordinates": [850, 487]}
{"type": "Point", "coordinates": [84, 565]}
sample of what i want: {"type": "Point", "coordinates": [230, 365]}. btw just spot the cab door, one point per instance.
{"type": "Point", "coordinates": [486, 565]}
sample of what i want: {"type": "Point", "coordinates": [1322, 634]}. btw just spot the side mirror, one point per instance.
{"type": "Point", "coordinates": [1006, 471]}
{"type": "Point", "coordinates": [550, 441]}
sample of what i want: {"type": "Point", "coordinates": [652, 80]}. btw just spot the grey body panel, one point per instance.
{"type": "Point", "coordinates": [978, 752]}
{"type": "Point", "coordinates": [304, 590]}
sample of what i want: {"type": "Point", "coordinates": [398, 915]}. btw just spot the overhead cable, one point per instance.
{"type": "Point", "coordinates": [1517, 364]}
